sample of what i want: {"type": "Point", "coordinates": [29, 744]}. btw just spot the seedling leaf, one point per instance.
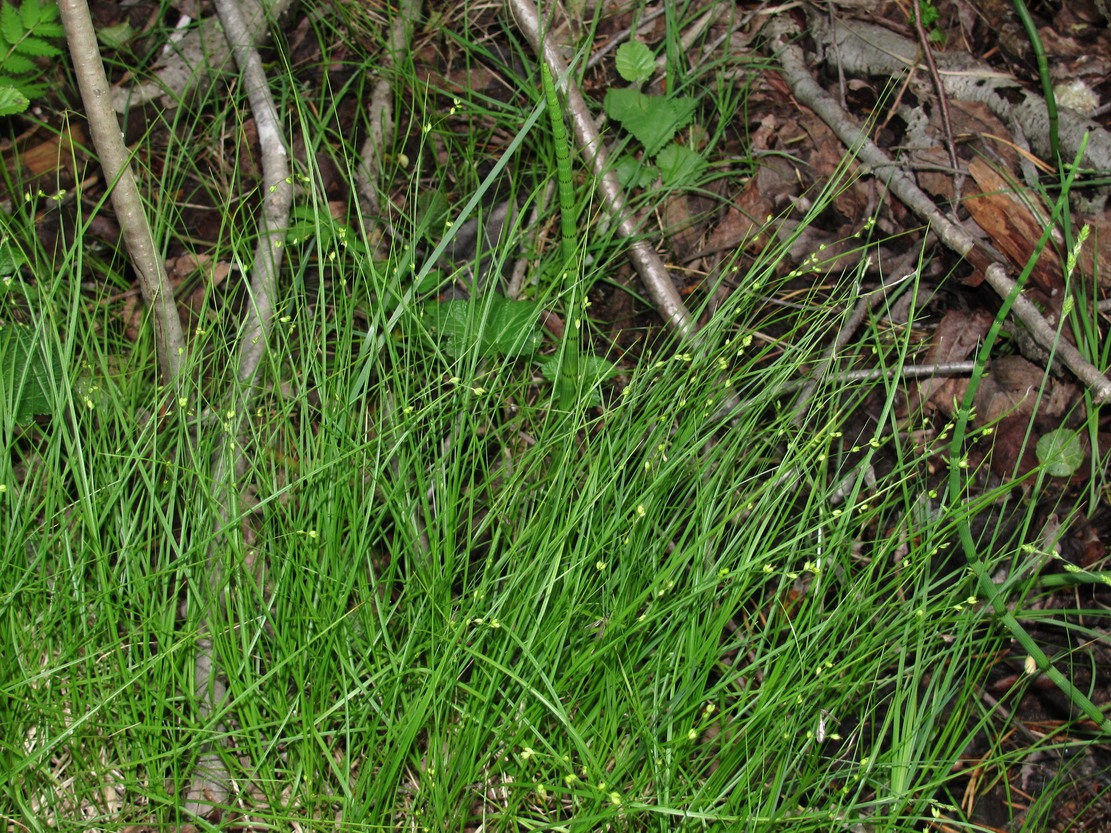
{"type": "Point", "coordinates": [634, 61]}
{"type": "Point", "coordinates": [12, 101]}
{"type": "Point", "coordinates": [652, 119]}
{"type": "Point", "coordinates": [1060, 453]}
{"type": "Point", "coordinates": [632, 173]}
{"type": "Point", "coordinates": [679, 165]}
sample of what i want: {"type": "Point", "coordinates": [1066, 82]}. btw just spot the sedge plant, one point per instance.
{"type": "Point", "coordinates": [446, 608]}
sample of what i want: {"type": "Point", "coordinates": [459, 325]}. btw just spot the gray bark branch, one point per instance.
{"type": "Point", "coordinates": [128, 205]}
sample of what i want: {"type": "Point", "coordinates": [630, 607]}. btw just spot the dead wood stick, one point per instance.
{"type": "Point", "coordinates": [784, 36]}
{"type": "Point", "coordinates": [380, 112]}
{"type": "Point", "coordinates": [201, 53]}
{"type": "Point", "coordinates": [211, 780]}
{"type": "Point", "coordinates": [942, 101]}
{"type": "Point", "coordinates": [115, 160]}
{"type": "Point", "coordinates": [648, 264]}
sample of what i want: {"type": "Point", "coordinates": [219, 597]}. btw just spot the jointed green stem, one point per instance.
{"type": "Point", "coordinates": [569, 372]}
{"type": "Point", "coordinates": [563, 169]}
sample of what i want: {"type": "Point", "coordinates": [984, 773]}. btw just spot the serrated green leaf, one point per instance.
{"type": "Point", "coordinates": [12, 101]}
{"type": "Point", "coordinates": [679, 165]}
{"type": "Point", "coordinates": [492, 326]}
{"type": "Point", "coordinates": [16, 64]}
{"type": "Point", "coordinates": [31, 12]}
{"type": "Point", "coordinates": [32, 91]}
{"type": "Point", "coordinates": [50, 30]}
{"type": "Point", "coordinates": [37, 47]}
{"type": "Point", "coordinates": [652, 119]}
{"type": "Point", "coordinates": [11, 24]}
{"type": "Point", "coordinates": [1060, 452]}
{"type": "Point", "coordinates": [24, 87]}
{"type": "Point", "coordinates": [28, 369]}
{"type": "Point", "coordinates": [634, 61]}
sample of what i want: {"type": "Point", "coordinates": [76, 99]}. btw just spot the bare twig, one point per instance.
{"type": "Point", "coordinates": [211, 782]}
{"type": "Point", "coordinates": [942, 98]}
{"type": "Point", "coordinates": [380, 117]}
{"type": "Point", "coordinates": [651, 269]}
{"type": "Point", "coordinates": [784, 37]}
{"type": "Point", "coordinates": [203, 51]}
{"type": "Point", "coordinates": [277, 198]}
{"type": "Point", "coordinates": [868, 302]}
{"type": "Point", "coordinates": [1046, 336]}
{"type": "Point", "coordinates": [108, 140]}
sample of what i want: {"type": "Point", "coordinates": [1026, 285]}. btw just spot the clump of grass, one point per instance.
{"type": "Point", "coordinates": [451, 604]}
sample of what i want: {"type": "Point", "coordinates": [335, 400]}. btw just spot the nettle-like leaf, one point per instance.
{"type": "Point", "coordinates": [634, 173]}
{"type": "Point", "coordinates": [494, 326]}
{"type": "Point", "coordinates": [652, 119]}
{"type": "Point", "coordinates": [307, 223]}
{"type": "Point", "coordinates": [11, 258]}
{"type": "Point", "coordinates": [116, 37]}
{"type": "Point", "coordinates": [28, 368]}
{"type": "Point", "coordinates": [634, 62]}
{"type": "Point", "coordinates": [679, 165]}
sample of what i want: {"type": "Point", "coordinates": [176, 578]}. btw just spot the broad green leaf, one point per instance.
{"type": "Point", "coordinates": [652, 119]}
{"type": "Point", "coordinates": [307, 223]}
{"type": "Point", "coordinates": [634, 61]}
{"type": "Point", "coordinates": [26, 374]}
{"type": "Point", "coordinates": [12, 101]}
{"type": "Point", "coordinates": [1060, 452]}
{"type": "Point", "coordinates": [494, 326]}
{"type": "Point", "coordinates": [41, 18]}
{"type": "Point", "coordinates": [31, 12]}
{"type": "Point", "coordinates": [679, 165]}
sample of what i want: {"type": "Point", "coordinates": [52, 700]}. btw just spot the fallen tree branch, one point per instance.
{"type": "Point", "coordinates": [784, 35]}
{"type": "Point", "coordinates": [648, 264]}
{"type": "Point", "coordinates": [203, 51]}
{"type": "Point", "coordinates": [115, 160]}
{"type": "Point", "coordinates": [211, 781]}
{"type": "Point", "coordinates": [380, 121]}
{"type": "Point", "coordinates": [866, 49]}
